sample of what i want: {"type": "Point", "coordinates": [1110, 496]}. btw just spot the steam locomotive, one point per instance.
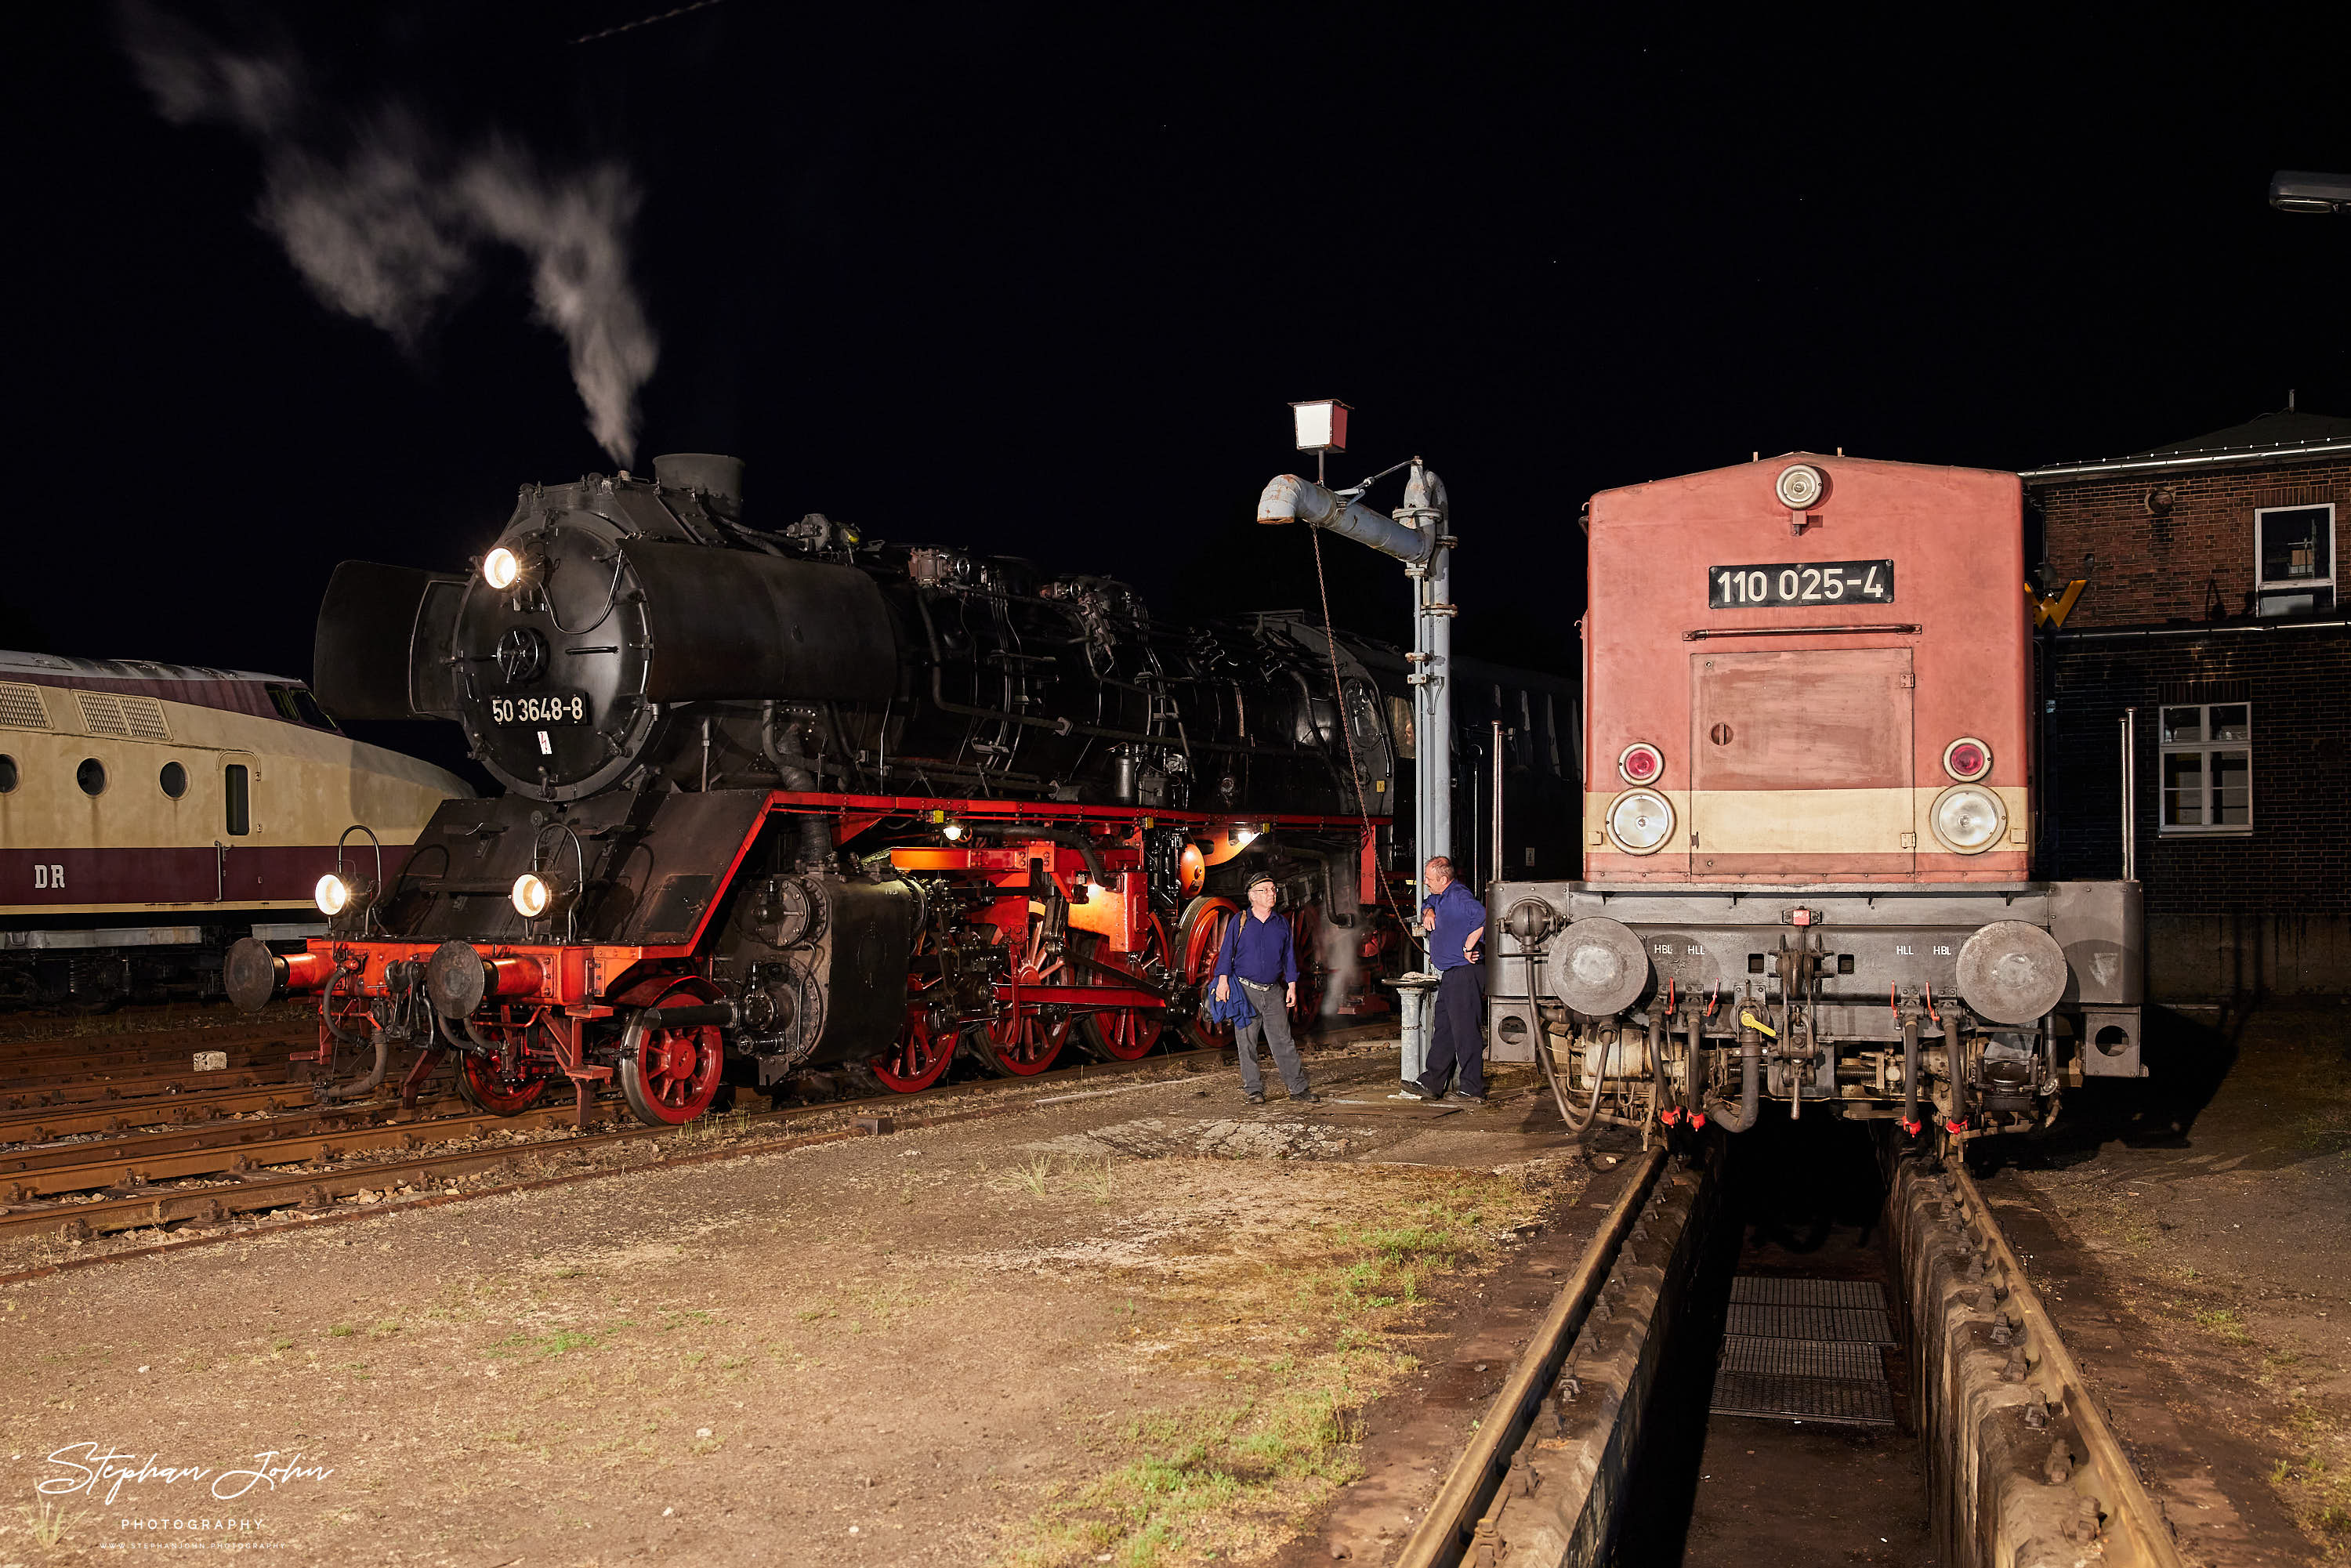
{"type": "Point", "coordinates": [1808, 873]}
{"type": "Point", "coordinates": [796, 803]}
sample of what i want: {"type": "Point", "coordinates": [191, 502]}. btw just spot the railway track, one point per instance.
{"type": "Point", "coordinates": [2023, 1466]}
{"type": "Point", "coordinates": [374, 1152]}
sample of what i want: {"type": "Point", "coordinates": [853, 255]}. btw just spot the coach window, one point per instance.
{"type": "Point", "coordinates": [2207, 768]}
{"type": "Point", "coordinates": [91, 776]}
{"type": "Point", "coordinates": [240, 798]}
{"type": "Point", "coordinates": [174, 779]}
{"type": "Point", "coordinates": [2293, 559]}
{"type": "Point", "coordinates": [7, 775]}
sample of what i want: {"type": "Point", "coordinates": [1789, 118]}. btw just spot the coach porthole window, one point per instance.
{"type": "Point", "coordinates": [174, 779]}
{"type": "Point", "coordinates": [1967, 759]}
{"type": "Point", "coordinates": [7, 775]}
{"type": "Point", "coordinates": [1640, 763]}
{"type": "Point", "coordinates": [1640, 822]}
{"type": "Point", "coordinates": [91, 776]}
{"type": "Point", "coordinates": [1968, 819]}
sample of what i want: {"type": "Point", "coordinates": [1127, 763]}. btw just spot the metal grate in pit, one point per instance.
{"type": "Point", "coordinates": [1805, 1350]}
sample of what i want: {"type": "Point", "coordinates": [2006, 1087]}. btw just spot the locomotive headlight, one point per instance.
{"type": "Point", "coordinates": [1800, 486]}
{"type": "Point", "coordinates": [337, 895]}
{"type": "Point", "coordinates": [534, 896]}
{"type": "Point", "coordinates": [502, 568]}
{"type": "Point", "coordinates": [1640, 822]}
{"type": "Point", "coordinates": [1968, 818]}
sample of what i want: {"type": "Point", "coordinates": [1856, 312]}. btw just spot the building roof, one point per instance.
{"type": "Point", "coordinates": [2286, 433]}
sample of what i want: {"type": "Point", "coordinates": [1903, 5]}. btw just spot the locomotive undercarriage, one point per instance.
{"type": "Point", "coordinates": [1974, 1010]}
{"type": "Point", "coordinates": [1008, 934]}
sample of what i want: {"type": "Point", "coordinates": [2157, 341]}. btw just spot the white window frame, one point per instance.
{"type": "Point", "coordinates": [2208, 748]}
{"type": "Point", "coordinates": [2263, 585]}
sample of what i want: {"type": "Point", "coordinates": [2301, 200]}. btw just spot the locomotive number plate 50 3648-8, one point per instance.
{"type": "Point", "coordinates": [1800, 582]}
{"type": "Point", "coordinates": [542, 708]}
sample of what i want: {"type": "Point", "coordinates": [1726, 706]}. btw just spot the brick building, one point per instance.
{"type": "Point", "coordinates": [2213, 617]}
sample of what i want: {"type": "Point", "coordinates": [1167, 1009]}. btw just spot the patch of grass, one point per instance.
{"type": "Point", "coordinates": [1033, 1178]}
{"type": "Point", "coordinates": [2223, 1325]}
{"type": "Point", "coordinates": [1215, 1479]}
{"type": "Point", "coordinates": [342, 1331]}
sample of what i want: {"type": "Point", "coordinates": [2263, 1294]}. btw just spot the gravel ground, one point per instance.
{"type": "Point", "coordinates": [1135, 1326]}
{"type": "Point", "coordinates": [2193, 1233]}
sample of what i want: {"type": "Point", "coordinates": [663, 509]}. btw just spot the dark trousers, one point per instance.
{"type": "Point", "coordinates": [1459, 1037]}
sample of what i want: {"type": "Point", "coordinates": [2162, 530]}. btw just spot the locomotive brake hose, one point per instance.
{"type": "Point", "coordinates": [1956, 1062]}
{"type": "Point", "coordinates": [1750, 1087]}
{"type": "Point", "coordinates": [1657, 1059]}
{"type": "Point", "coordinates": [1576, 1125]}
{"type": "Point", "coordinates": [367, 1083]}
{"type": "Point", "coordinates": [1909, 1072]}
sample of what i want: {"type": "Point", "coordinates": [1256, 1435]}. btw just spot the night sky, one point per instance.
{"type": "Point", "coordinates": [1041, 282]}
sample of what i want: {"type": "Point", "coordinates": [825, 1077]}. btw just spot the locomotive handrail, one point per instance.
{"type": "Point", "coordinates": [1902, 628]}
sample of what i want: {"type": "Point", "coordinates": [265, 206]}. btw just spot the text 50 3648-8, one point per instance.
{"type": "Point", "coordinates": [542, 708]}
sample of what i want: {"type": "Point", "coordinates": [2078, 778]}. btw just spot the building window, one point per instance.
{"type": "Point", "coordinates": [2207, 768]}
{"type": "Point", "coordinates": [2293, 559]}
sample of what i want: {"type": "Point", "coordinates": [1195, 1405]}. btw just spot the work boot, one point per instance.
{"type": "Point", "coordinates": [1309, 1098]}
{"type": "Point", "coordinates": [1252, 1096]}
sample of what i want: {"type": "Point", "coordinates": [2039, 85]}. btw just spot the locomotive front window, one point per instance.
{"type": "Point", "coordinates": [2207, 768]}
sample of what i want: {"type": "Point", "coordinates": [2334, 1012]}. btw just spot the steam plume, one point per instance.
{"type": "Point", "coordinates": [388, 225]}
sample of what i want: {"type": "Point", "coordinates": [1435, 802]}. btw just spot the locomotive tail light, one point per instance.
{"type": "Point", "coordinates": [1968, 819]}
{"type": "Point", "coordinates": [1967, 759]}
{"type": "Point", "coordinates": [1640, 763]}
{"type": "Point", "coordinates": [502, 568]}
{"type": "Point", "coordinates": [1640, 822]}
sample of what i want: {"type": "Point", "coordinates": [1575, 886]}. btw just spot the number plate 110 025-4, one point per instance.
{"type": "Point", "coordinates": [1800, 582]}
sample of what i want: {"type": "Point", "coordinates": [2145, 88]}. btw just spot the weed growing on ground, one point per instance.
{"type": "Point", "coordinates": [1211, 1479]}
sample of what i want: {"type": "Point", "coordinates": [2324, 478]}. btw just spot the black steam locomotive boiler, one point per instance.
{"type": "Point", "coordinates": [800, 802]}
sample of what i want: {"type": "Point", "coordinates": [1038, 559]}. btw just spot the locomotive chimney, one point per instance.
{"type": "Point", "coordinates": [716, 477]}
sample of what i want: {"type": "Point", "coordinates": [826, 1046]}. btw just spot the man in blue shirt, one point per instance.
{"type": "Point", "coordinates": [1259, 951]}
{"type": "Point", "coordinates": [1456, 924]}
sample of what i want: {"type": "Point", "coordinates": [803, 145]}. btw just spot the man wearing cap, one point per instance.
{"type": "Point", "coordinates": [1259, 951]}
{"type": "Point", "coordinates": [1456, 924]}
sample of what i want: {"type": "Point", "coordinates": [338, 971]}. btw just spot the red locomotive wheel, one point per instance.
{"type": "Point", "coordinates": [486, 1086]}
{"type": "Point", "coordinates": [1197, 936]}
{"type": "Point", "coordinates": [1023, 1042]}
{"type": "Point", "coordinates": [921, 1056]}
{"type": "Point", "coordinates": [1127, 1034]}
{"type": "Point", "coordinates": [672, 1075]}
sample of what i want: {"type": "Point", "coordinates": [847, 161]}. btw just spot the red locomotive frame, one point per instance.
{"type": "Point", "coordinates": [1117, 969]}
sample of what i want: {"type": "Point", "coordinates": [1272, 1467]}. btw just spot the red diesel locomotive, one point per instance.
{"type": "Point", "coordinates": [797, 804]}
{"type": "Point", "coordinates": [1809, 817]}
